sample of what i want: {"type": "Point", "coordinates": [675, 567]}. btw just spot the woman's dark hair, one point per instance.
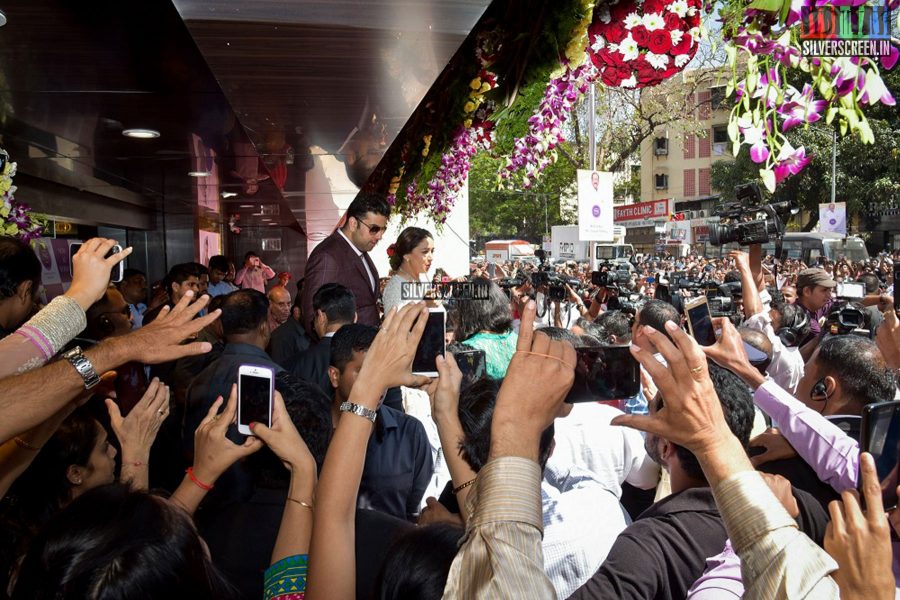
{"type": "Point", "coordinates": [418, 563]}
{"type": "Point", "coordinates": [115, 542]}
{"type": "Point", "coordinates": [44, 488]}
{"type": "Point", "coordinates": [18, 263]}
{"type": "Point", "coordinates": [406, 242]}
{"type": "Point", "coordinates": [478, 314]}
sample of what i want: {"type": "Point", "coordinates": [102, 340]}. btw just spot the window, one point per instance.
{"type": "Point", "coordinates": [662, 181]}
{"type": "Point", "coordinates": [689, 144]}
{"type": "Point", "coordinates": [717, 96]}
{"type": "Point", "coordinates": [703, 183]}
{"type": "Point", "coordinates": [704, 147]}
{"type": "Point", "coordinates": [661, 146]}
{"type": "Point", "coordinates": [720, 134]}
{"type": "Point", "coordinates": [690, 183]}
{"type": "Point", "coordinates": [703, 102]}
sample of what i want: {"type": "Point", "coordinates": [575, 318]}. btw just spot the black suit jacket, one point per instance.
{"type": "Point", "coordinates": [312, 365]}
{"type": "Point", "coordinates": [334, 261]}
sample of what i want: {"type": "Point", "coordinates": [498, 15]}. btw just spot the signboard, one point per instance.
{"type": "Point", "coordinates": [567, 250]}
{"type": "Point", "coordinates": [833, 217]}
{"type": "Point", "coordinates": [655, 209]}
{"type": "Point", "coordinates": [701, 234]}
{"type": "Point", "coordinates": [595, 206]}
{"type": "Point", "coordinates": [548, 244]}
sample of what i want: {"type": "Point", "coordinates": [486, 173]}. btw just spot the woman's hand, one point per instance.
{"type": "Point", "coordinates": [91, 269]}
{"type": "Point", "coordinates": [137, 432]}
{"type": "Point", "coordinates": [213, 452]}
{"type": "Point", "coordinates": [444, 391]}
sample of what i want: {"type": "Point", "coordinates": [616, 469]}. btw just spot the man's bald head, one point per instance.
{"type": "Point", "coordinates": [279, 304]}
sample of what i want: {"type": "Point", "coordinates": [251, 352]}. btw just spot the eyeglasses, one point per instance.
{"type": "Point", "coordinates": [373, 229]}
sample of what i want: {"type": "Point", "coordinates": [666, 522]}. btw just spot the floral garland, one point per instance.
{"type": "Point", "coordinates": [767, 105]}
{"type": "Point", "coordinates": [17, 219]}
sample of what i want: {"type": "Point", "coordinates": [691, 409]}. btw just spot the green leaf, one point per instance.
{"type": "Point", "coordinates": [768, 5]}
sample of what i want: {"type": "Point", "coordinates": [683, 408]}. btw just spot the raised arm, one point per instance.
{"type": "Point", "coordinates": [137, 432]}
{"type": "Point", "coordinates": [752, 303]}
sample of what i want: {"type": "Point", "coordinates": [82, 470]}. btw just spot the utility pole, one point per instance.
{"type": "Point", "coordinates": [833, 163]}
{"type": "Point", "coordinates": [592, 116]}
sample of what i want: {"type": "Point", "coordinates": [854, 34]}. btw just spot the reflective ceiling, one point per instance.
{"type": "Point", "coordinates": [288, 103]}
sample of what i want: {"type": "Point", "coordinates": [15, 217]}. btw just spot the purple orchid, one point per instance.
{"type": "Point", "coordinates": [801, 107]}
{"type": "Point", "coordinates": [790, 161]}
{"type": "Point", "coordinates": [847, 76]}
{"type": "Point", "coordinates": [755, 137]}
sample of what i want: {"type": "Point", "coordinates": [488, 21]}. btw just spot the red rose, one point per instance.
{"type": "Point", "coordinates": [615, 33]}
{"type": "Point", "coordinates": [620, 10]}
{"type": "Point", "coordinates": [673, 21]}
{"type": "Point", "coordinates": [660, 41]}
{"type": "Point", "coordinates": [616, 59]}
{"type": "Point", "coordinates": [640, 34]}
{"type": "Point", "coordinates": [684, 46]}
{"type": "Point", "coordinates": [611, 77]}
{"type": "Point", "coordinates": [653, 6]}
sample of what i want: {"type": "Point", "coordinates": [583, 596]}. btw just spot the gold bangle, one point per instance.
{"type": "Point", "coordinates": [301, 503]}
{"type": "Point", "coordinates": [25, 445]}
{"type": "Point", "coordinates": [456, 490]}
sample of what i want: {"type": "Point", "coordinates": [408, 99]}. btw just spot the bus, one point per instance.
{"type": "Point", "coordinates": [809, 246]}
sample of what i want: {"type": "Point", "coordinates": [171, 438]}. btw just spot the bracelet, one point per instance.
{"type": "Point", "coordinates": [203, 486]}
{"type": "Point", "coordinates": [456, 490]}
{"type": "Point", "coordinates": [25, 445]}
{"type": "Point", "coordinates": [301, 503]}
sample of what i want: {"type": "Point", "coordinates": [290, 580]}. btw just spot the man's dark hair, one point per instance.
{"type": "Point", "coordinates": [200, 269]}
{"type": "Point", "coordinates": [244, 311]}
{"type": "Point", "coordinates": [859, 366]}
{"type": "Point", "coordinates": [18, 263]}
{"type": "Point", "coordinates": [215, 303]}
{"type": "Point", "coordinates": [336, 301]}
{"type": "Point", "coordinates": [418, 562]}
{"type": "Point", "coordinates": [179, 274]}
{"type": "Point", "coordinates": [732, 277]}
{"type": "Point", "coordinates": [559, 334]}
{"type": "Point", "coordinates": [353, 337]}
{"type": "Point", "coordinates": [872, 283]}
{"type": "Point", "coordinates": [476, 409]}
{"type": "Point", "coordinates": [655, 313]}
{"type": "Point", "coordinates": [129, 273]}
{"type": "Point", "coordinates": [589, 327]}
{"type": "Point", "coordinates": [310, 411]}
{"type": "Point", "coordinates": [368, 203]}
{"type": "Point", "coordinates": [737, 407]}
{"type": "Point", "coordinates": [251, 254]}
{"type": "Point", "coordinates": [790, 315]}
{"type": "Point", "coordinates": [491, 314]}
{"type": "Point", "coordinates": [614, 323]}
{"type": "Point", "coordinates": [219, 263]}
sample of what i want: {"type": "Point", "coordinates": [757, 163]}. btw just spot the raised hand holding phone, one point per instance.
{"type": "Point", "coordinates": [256, 387]}
{"type": "Point", "coordinates": [92, 263]}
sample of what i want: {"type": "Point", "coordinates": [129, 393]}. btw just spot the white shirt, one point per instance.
{"type": "Point", "coordinates": [787, 365]}
{"type": "Point", "coordinates": [545, 319]}
{"type": "Point", "coordinates": [360, 255]}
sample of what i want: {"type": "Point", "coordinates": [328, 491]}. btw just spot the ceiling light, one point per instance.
{"type": "Point", "coordinates": [141, 134]}
{"type": "Point", "coordinates": [273, 224]}
{"type": "Point", "coordinates": [198, 173]}
{"type": "Point", "coordinates": [2, 18]}
{"type": "Point", "coordinates": [227, 195]}
{"type": "Point", "coordinates": [246, 205]}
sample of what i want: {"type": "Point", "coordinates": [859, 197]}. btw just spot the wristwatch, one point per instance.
{"type": "Point", "coordinates": [84, 367]}
{"type": "Point", "coordinates": [356, 409]}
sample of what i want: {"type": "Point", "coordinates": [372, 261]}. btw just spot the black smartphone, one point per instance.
{"type": "Point", "coordinates": [117, 271]}
{"type": "Point", "coordinates": [880, 437]}
{"type": "Point", "coordinates": [256, 388]}
{"type": "Point", "coordinates": [896, 287]}
{"type": "Point", "coordinates": [472, 364]}
{"type": "Point", "coordinates": [604, 373]}
{"type": "Point", "coordinates": [431, 344]}
{"type": "Point", "coordinates": [700, 320]}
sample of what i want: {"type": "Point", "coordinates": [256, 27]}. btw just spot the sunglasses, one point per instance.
{"type": "Point", "coordinates": [373, 229]}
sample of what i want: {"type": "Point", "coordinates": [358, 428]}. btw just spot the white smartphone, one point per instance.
{"type": "Point", "coordinates": [256, 387]}
{"type": "Point", "coordinates": [432, 343]}
{"type": "Point", "coordinates": [118, 271]}
{"type": "Point", "coordinates": [700, 320]}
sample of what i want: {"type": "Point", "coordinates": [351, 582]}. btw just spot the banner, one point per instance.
{"type": "Point", "coordinates": [655, 209]}
{"type": "Point", "coordinates": [595, 206]}
{"type": "Point", "coordinates": [833, 217]}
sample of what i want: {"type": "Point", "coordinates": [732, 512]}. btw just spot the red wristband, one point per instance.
{"type": "Point", "coordinates": [203, 486]}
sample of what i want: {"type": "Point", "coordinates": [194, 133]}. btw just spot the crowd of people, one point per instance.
{"type": "Point", "coordinates": [123, 474]}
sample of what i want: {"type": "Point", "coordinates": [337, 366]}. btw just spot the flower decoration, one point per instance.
{"type": "Point", "coordinates": [391, 250]}
{"type": "Point", "coordinates": [637, 45]}
{"type": "Point", "coordinates": [16, 219]}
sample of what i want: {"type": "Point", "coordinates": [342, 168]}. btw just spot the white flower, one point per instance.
{"type": "Point", "coordinates": [629, 48]}
{"type": "Point", "coordinates": [632, 20]}
{"type": "Point", "coordinates": [605, 17]}
{"type": "Point", "coordinates": [653, 21]}
{"type": "Point", "coordinates": [629, 83]}
{"type": "Point", "coordinates": [676, 34]}
{"type": "Point", "coordinates": [657, 61]}
{"type": "Point", "coordinates": [599, 43]}
{"type": "Point", "coordinates": [681, 60]}
{"type": "Point", "coordinates": [692, 11]}
{"type": "Point", "coordinates": [695, 33]}
{"type": "Point", "coordinates": [679, 7]}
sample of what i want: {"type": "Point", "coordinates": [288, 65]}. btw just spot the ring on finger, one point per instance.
{"type": "Point", "coordinates": [697, 369]}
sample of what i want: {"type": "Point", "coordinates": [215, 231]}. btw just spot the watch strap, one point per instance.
{"type": "Point", "coordinates": [83, 367]}
{"type": "Point", "coordinates": [361, 411]}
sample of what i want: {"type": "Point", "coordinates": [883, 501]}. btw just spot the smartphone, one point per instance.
{"type": "Point", "coordinates": [117, 271]}
{"type": "Point", "coordinates": [604, 373]}
{"type": "Point", "coordinates": [896, 287]}
{"type": "Point", "coordinates": [851, 290]}
{"type": "Point", "coordinates": [472, 364]}
{"type": "Point", "coordinates": [700, 320]}
{"type": "Point", "coordinates": [256, 387]}
{"type": "Point", "coordinates": [880, 437]}
{"type": "Point", "coordinates": [431, 344]}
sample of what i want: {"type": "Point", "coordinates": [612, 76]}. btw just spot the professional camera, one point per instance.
{"type": "Point", "coordinates": [632, 303]}
{"type": "Point", "coordinates": [748, 220]}
{"type": "Point", "coordinates": [847, 318]}
{"type": "Point", "coordinates": [547, 276]}
{"type": "Point", "coordinates": [611, 279]}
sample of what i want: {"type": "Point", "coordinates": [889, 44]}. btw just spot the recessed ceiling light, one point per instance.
{"type": "Point", "coordinates": [2, 18]}
{"type": "Point", "coordinates": [273, 224]}
{"type": "Point", "coordinates": [141, 134]}
{"type": "Point", "coordinates": [227, 195]}
{"type": "Point", "coordinates": [198, 173]}
{"type": "Point", "coordinates": [246, 205]}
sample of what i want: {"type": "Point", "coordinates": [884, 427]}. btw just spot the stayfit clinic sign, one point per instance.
{"type": "Point", "coordinates": [656, 209]}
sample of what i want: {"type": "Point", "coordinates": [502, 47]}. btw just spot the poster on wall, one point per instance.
{"type": "Point", "coordinates": [833, 217]}
{"type": "Point", "coordinates": [208, 243]}
{"type": "Point", "coordinates": [595, 206]}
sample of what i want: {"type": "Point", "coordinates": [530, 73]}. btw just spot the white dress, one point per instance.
{"type": "Point", "coordinates": [396, 294]}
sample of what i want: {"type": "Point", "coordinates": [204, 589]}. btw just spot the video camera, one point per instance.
{"type": "Point", "coordinates": [847, 318]}
{"type": "Point", "coordinates": [748, 220]}
{"type": "Point", "coordinates": [547, 276]}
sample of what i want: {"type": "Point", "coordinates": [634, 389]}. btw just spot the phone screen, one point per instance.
{"type": "Point", "coordinates": [881, 439]}
{"type": "Point", "coordinates": [254, 400]}
{"type": "Point", "coordinates": [431, 344]}
{"type": "Point", "coordinates": [701, 324]}
{"type": "Point", "coordinates": [605, 373]}
{"type": "Point", "coordinates": [472, 365]}
{"type": "Point", "coordinates": [851, 290]}
{"type": "Point", "coordinates": [896, 287]}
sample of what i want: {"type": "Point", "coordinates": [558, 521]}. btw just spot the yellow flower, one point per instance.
{"type": "Point", "coordinates": [475, 83]}
{"type": "Point", "coordinates": [467, 123]}
{"type": "Point", "coordinates": [485, 87]}
{"type": "Point", "coordinates": [469, 107]}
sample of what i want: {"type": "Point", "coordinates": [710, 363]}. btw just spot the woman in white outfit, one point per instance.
{"type": "Point", "coordinates": [411, 258]}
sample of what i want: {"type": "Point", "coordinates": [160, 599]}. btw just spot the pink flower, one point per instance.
{"type": "Point", "coordinates": [800, 108]}
{"type": "Point", "coordinates": [790, 162]}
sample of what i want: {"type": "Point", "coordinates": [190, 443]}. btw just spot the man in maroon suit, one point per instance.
{"type": "Point", "coordinates": [343, 257]}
